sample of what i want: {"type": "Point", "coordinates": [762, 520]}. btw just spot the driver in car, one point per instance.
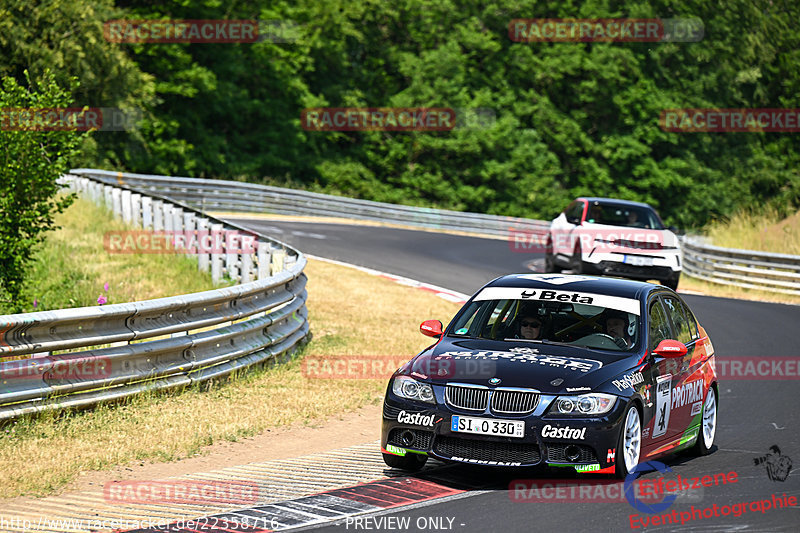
{"type": "Point", "coordinates": [616, 326]}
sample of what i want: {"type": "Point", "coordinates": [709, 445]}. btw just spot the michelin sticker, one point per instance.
{"type": "Point", "coordinates": [522, 355]}
{"type": "Point", "coordinates": [663, 395]}
{"type": "Point", "coordinates": [548, 295]}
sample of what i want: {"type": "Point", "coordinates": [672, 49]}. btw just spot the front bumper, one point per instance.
{"type": "Point", "coordinates": [666, 264]}
{"type": "Point", "coordinates": [432, 434]}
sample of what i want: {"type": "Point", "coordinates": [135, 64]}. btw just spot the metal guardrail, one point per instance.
{"type": "Point", "coordinates": [742, 268]}
{"type": "Point", "coordinates": [235, 196]}
{"type": "Point", "coordinates": [128, 348]}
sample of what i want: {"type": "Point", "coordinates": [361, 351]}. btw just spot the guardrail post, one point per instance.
{"type": "Point", "coordinates": [107, 200]}
{"type": "Point", "coordinates": [263, 258]}
{"type": "Point", "coordinates": [204, 251]}
{"type": "Point", "coordinates": [216, 257]}
{"type": "Point", "coordinates": [158, 215]}
{"type": "Point", "coordinates": [136, 210]}
{"type": "Point", "coordinates": [230, 258]}
{"type": "Point", "coordinates": [246, 275]}
{"type": "Point", "coordinates": [116, 202]}
{"type": "Point", "coordinates": [177, 225]}
{"type": "Point", "coordinates": [168, 218]}
{"type": "Point", "coordinates": [278, 256]}
{"type": "Point", "coordinates": [126, 206]}
{"type": "Point", "coordinates": [147, 212]}
{"type": "Point", "coordinates": [94, 191]}
{"type": "Point", "coordinates": [190, 234]}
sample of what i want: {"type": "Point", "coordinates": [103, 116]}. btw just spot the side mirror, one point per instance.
{"type": "Point", "coordinates": [573, 220]}
{"type": "Point", "coordinates": [431, 328]}
{"type": "Point", "coordinates": [676, 231]}
{"type": "Point", "coordinates": [670, 349]}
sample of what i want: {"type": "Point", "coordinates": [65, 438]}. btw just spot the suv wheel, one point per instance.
{"type": "Point", "coordinates": [577, 260]}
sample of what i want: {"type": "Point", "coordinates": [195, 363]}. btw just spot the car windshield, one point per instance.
{"type": "Point", "coordinates": [623, 215]}
{"type": "Point", "coordinates": [573, 323]}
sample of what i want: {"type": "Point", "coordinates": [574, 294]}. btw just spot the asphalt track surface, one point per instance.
{"type": "Point", "coordinates": [753, 415]}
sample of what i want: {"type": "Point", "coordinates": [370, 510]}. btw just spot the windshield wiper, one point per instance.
{"type": "Point", "coordinates": [541, 341]}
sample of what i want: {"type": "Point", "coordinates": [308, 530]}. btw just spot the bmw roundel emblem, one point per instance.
{"type": "Point", "coordinates": [494, 381]}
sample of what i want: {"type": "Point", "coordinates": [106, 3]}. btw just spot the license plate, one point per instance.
{"type": "Point", "coordinates": [488, 426]}
{"type": "Point", "coordinates": [638, 260]}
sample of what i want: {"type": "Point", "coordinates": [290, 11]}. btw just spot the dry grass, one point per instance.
{"type": "Point", "coordinates": [350, 312]}
{"type": "Point", "coordinates": [689, 283]}
{"type": "Point", "coordinates": [766, 232]}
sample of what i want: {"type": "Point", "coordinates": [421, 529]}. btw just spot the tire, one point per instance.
{"type": "Point", "coordinates": [550, 265]}
{"type": "Point", "coordinates": [629, 443]}
{"type": "Point", "coordinates": [708, 424]}
{"type": "Point", "coordinates": [672, 282]}
{"type": "Point", "coordinates": [576, 265]}
{"type": "Point", "coordinates": [410, 462]}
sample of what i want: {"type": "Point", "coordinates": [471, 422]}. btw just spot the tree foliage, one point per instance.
{"type": "Point", "coordinates": [30, 164]}
{"type": "Point", "coordinates": [571, 118]}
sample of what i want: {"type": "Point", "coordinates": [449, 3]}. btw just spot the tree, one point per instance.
{"type": "Point", "coordinates": [31, 161]}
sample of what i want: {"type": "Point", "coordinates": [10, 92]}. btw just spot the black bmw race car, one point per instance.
{"type": "Point", "coordinates": [594, 374]}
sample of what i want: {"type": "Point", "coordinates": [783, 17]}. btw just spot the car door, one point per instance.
{"type": "Point", "coordinates": [668, 374]}
{"type": "Point", "coordinates": [563, 229]}
{"type": "Point", "coordinates": [688, 391]}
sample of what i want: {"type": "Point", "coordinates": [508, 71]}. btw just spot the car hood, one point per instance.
{"type": "Point", "coordinates": [547, 368]}
{"type": "Point", "coordinates": [624, 234]}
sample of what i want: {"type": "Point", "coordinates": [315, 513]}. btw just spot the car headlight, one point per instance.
{"type": "Point", "coordinates": [583, 405]}
{"type": "Point", "coordinates": [410, 388]}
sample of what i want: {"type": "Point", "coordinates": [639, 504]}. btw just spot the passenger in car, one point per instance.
{"type": "Point", "coordinates": [595, 214]}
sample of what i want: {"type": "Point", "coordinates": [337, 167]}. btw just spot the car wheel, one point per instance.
{"type": "Point", "coordinates": [577, 263]}
{"type": "Point", "coordinates": [410, 462]}
{"type": "Point", "coordinates": [672, 282]}
{"type": "Point", "coordinates": [549, 258]}
{"type": "Point", "coordinates": [629, 445]}
{"type": "Point", "coordinates": [708, 424]}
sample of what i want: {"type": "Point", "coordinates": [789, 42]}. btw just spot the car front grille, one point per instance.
{"type": "Point", "coordinates": [485, 450]}
{"type": "Point", "coordinates": [503, 401]}
{"type": "Point", "coordinates": [556, 453]}
{"type": "Point", "coordinates": [514, 401]}
{"type": "Point", "coordinates": [639, 244]}
{"type": "Point", "coordinates": [469, 398]}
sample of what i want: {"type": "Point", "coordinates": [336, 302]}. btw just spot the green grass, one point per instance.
{"type": "Point", "coordinates": [71, 268]}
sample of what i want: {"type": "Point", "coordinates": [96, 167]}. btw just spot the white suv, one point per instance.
{"type": "Point", "coordinates": [614, 237]}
